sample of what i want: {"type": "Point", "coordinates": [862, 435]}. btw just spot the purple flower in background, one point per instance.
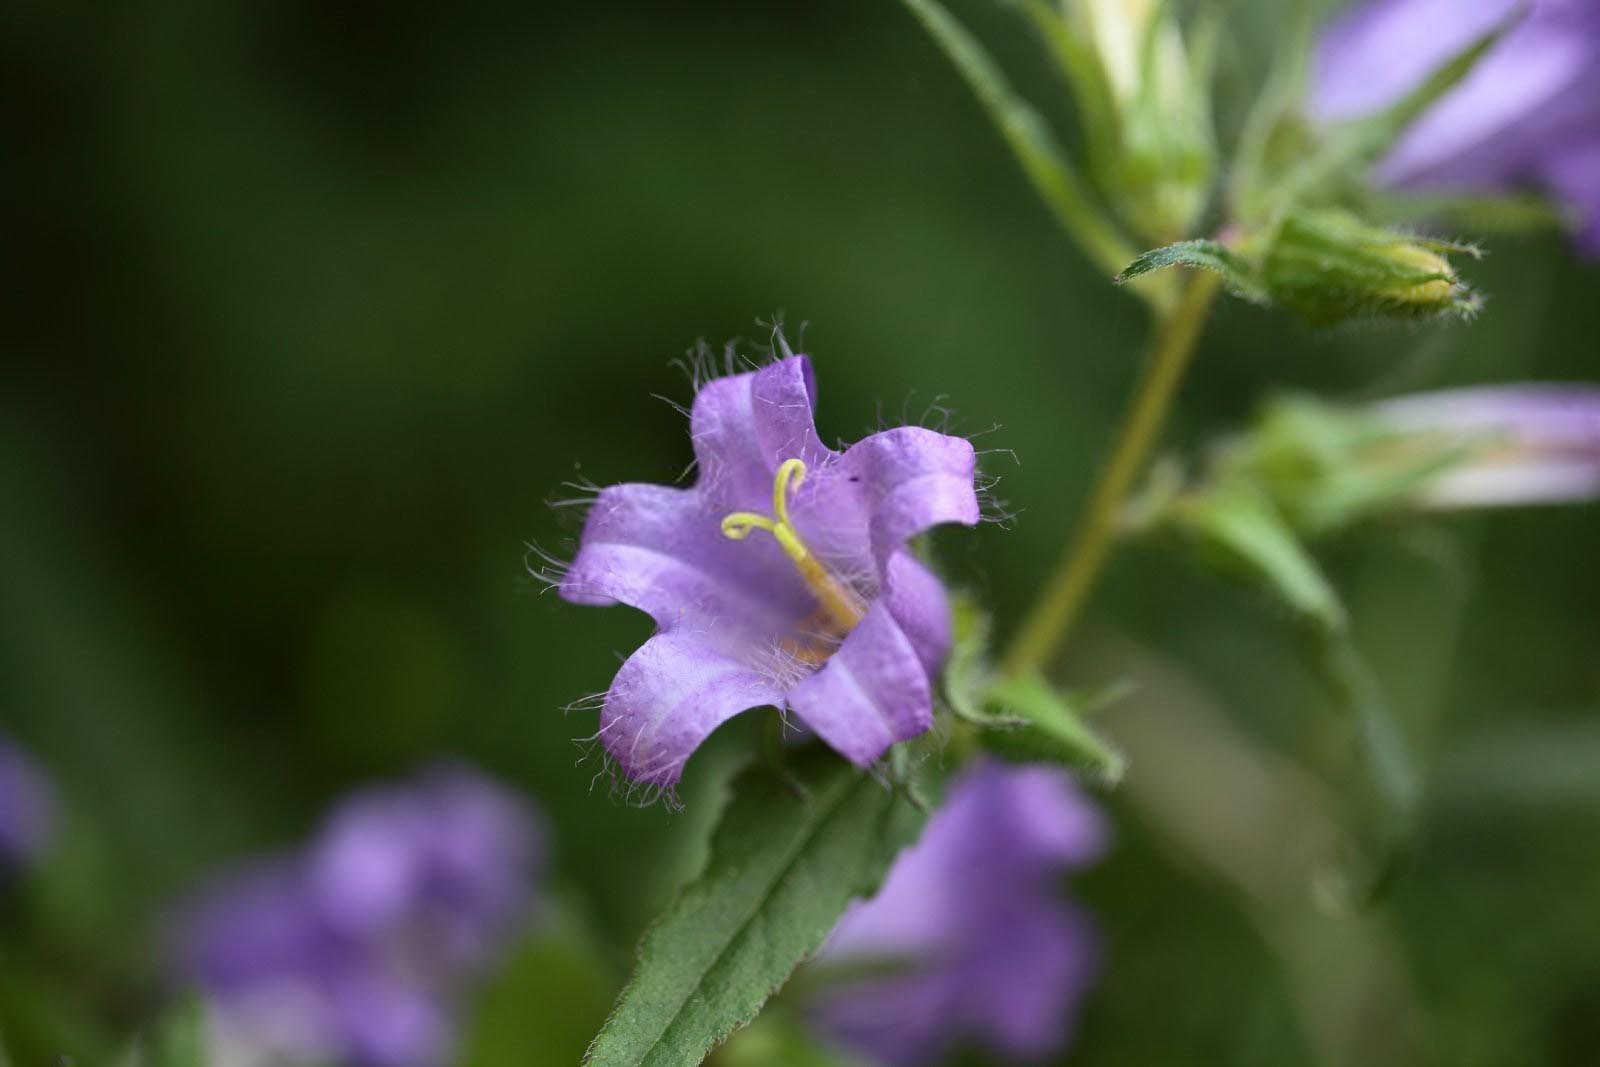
{"type": "Point", "coordinates": [353, 950]}
{"type": "Point", "coordinates": [781, 577]}
{"type": "Point", "coordinates": [27, 809]}
{"type": "Point", "coordinates": [1529, 111]}
{"type": "Point", "coordinates": [991, 951]}
{"type": "Point", "coordinates": [1517, 444]}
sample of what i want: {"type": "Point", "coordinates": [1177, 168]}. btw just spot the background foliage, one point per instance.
{"type": "Point", "coordinates": [321, 303]}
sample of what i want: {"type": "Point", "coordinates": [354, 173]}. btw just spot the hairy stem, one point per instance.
{"type": "Point", "coordinates": [1177, 332]}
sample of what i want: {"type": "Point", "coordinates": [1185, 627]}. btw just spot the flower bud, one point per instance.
{"type": "Point", "coordinates": [1511, 444]}
{"type": "Point", "coordinates": [1323, 466]}
{"type": "Point", "coordinates": [1330, 266]}
{"type": "Point", "coordinates": [1147, 109]}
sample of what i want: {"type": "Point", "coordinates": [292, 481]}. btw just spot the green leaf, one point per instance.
{"type": "Point", "coordinates": [794, 847]}
{"type": "Point", "coordinates": [1243, 523]}
{"type": "Point", "coordinates": [1033, 722]}
{"type": "Point", "coordinates": [1029, 137]}
{"type": "Point", "coordinates": [1237, 272]}
{"type": "Point", "coordinates": [1389, 766]}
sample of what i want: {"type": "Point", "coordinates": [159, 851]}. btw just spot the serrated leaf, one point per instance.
{"type": "Point", "coordinates": [795, 845]}
{"type": "Point", "coordinates": [1238, 273]}
{"type": "Point", "coordinates": [1034, 723]}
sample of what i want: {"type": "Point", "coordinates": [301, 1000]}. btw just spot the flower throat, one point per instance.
{"type": "Point", "coordinates": [840, 608]}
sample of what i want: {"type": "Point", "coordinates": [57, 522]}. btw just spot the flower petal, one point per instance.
{"type": "Point", "coordinates": [668, 697]}
{"type": "Point", "coordinates": [873, 692]}
{"type": "Point", "coordinates": [660, 550]}
{"type": "Point", "coordinates": [1374, 53]}
{"type": "Point", "coordinates": [1574, 174]}
{"type": "Point", "coordinates": [1477, 133]}
{"type": "Point", "coordinates": [915, 478]}
{"type": "Point", "coordinates": [745, 425]}
{"type": "Point", "coordinates": [972, 911]}
{"type": "Point", "coordinates": [918, 602]}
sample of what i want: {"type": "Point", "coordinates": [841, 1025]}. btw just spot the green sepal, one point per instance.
{"type": "Point", "coordinates": [1030, 721]}
{"type": "Point", "coordinates": [1022, 719]}
{"type": "Point", "coordinates": [967, 669]}
{"type": "Point", "coordinates": [1329, 266]}
{"type": "Point", "coordinates": [1238, 273]}
{"type": "Point", "coordinates": [794, 846]}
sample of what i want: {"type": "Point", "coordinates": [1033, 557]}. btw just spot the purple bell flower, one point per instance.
{"type": "Point", "coordinates": [1518, 444]}
{"type": "Point", "coordinates": [781, 577]}
{"type": "Point", "coordinates": [1528, 112]}
{"type": "Point", "coordinates": [27, 809]}
{"type": "Point", "coordinates": [354, 950]}
{"type": "Point", "coordinates": [988, 949]}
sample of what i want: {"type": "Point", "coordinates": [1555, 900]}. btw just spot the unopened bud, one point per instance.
{"type": "Point", "coordinates": [1330, 266]}
{"type": "Point", "coordinates": [1146, 106]}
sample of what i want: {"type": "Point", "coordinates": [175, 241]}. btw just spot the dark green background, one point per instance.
{"type": "Point", "coordinates": [316, 305]}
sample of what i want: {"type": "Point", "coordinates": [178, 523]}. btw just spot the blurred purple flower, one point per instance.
{"type": "Point", "coordinates": [27, 809]}
{"type": "Point", "coordinates": [1518, 444]}
{"type": "Point", "coordinates": [353, 950]}
{"type": "Point", "coordinates": [992, 952]}
{"type": "Point", "coordinates": [780, 578]}
{"type": "Point", "coordinates": [1529, 111]}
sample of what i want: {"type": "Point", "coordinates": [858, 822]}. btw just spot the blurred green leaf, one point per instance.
{"type": "Point", "coordinates": [1512, 213]}
{"type": "Point", "coordinates": [795, 846]}
{"type": "Point", "coordinates": [1033, 723]}
{"type": "Point", "coordinates": [1243, 524]}
{"type": "Point", "coordinates": [551, 995]}
{"type": "Point", "coordinates": [777, 1038]}
{"type": "Point", "coordinates": [43, 1020]}
{"type": "Point", "coordinates": [178, 1038]}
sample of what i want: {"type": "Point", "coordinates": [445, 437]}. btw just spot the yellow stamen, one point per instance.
{"type": "Point", "coordinates": [840, 605]}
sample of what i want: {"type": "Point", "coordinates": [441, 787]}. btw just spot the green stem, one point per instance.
{"type": "Point", "coordinates": [1176, 335]}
